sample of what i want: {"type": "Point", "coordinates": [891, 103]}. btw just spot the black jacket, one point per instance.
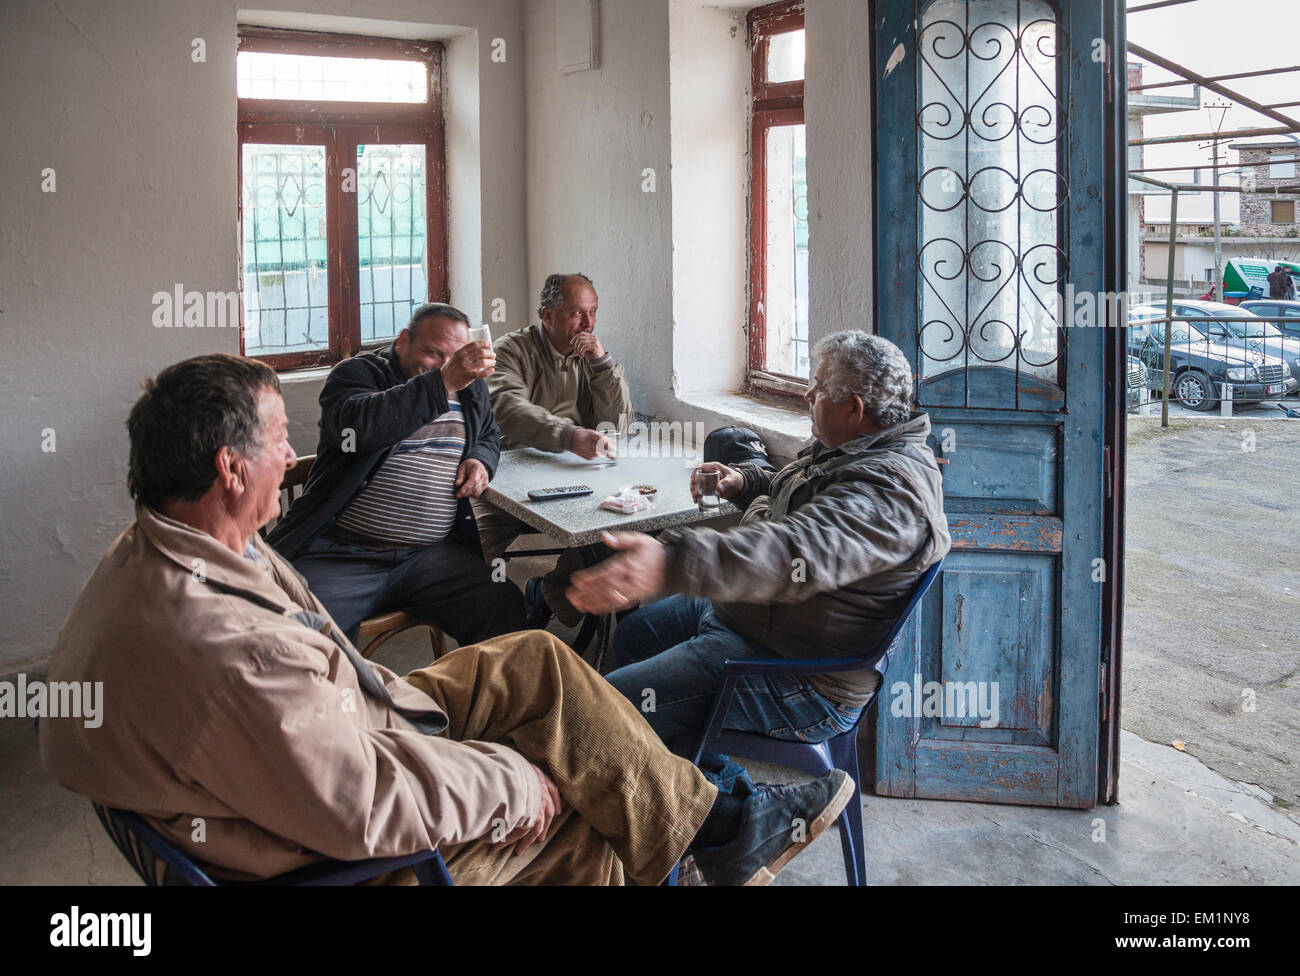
{"type": "Point", "coordinates": [369, 407]}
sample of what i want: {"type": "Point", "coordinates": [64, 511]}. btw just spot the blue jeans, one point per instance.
{"type": "Point", "coordinates": [669, 658]}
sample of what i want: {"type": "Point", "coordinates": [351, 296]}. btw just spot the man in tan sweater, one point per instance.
{"type": "Point", "coordinates": [233, 700]}
{"type": "Point", "coordinates": [554, 384]}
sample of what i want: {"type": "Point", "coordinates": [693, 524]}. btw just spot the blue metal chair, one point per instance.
{"type": "Point", "coordinates": [814, 758]}
{"type": "Point", "coordinates": [157, 861]}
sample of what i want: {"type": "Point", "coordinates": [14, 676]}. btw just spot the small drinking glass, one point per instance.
{"type": "Point", "coordinates": [707, 483]}
{"type": "Point", "coordinates": [480, 333]}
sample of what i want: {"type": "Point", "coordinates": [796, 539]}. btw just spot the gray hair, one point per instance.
{"type": "Point", "coordinates": [553, 289]}
{"type": "Point", "coordinates": [859, 364]}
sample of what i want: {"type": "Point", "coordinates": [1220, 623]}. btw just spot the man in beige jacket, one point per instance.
{"type": "Point", "coordinates": [244, 726]}
{"type": "Point", "coordinates": [554, 384]}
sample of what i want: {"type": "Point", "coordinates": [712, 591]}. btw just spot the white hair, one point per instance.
{"type": "Point", "coordinates": [859, 364]}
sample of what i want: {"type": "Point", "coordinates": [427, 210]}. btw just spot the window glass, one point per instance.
{"type": "Point", "coordinates": [786, 313]}
{"type": "Point", "coordinates": [990, 188]}
{"type": "Point", "coordinates": [390, 232]}
{"type": "Point", "coordinates": [300, 77]}
{"type": "Point", "coordinates": [785, 57]}
{"type": "Point", "coordinates": [286, 276]}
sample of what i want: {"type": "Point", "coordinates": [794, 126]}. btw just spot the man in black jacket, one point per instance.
{"type": "Point", "coordinates": [407, 437]}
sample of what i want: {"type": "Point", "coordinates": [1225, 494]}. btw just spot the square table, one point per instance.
{"type": "Point", "coordinates": [579, 521]}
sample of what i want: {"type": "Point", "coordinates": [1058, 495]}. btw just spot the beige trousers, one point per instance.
{"type": "Point", "coordinates": [629, 805]}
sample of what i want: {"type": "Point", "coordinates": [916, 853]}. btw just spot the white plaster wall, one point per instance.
{"type": "Point", "coordinates": [837, 113]}
{"type": "Point", "coordinates": [144, 146]}
{"type": "Point", "coordinates": [590, 136]}
{"type": "Point", "coordinates": [710, 91]}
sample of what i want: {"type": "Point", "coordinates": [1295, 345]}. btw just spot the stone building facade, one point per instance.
{"type": "Point", "coordinates": [1266, 165]}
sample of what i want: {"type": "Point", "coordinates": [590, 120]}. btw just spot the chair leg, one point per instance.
{"type": "Point", "coordinates": [844, 754]}
{"type": "Point", "coordinates": [583, 639]}
{"type": "Point", "coordinates": [603, 632]}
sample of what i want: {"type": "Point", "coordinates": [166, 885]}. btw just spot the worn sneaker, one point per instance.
{"type": "Point", "coordinates": [778, 823]}
{"type": "Point", "coordinates": [537, 613]}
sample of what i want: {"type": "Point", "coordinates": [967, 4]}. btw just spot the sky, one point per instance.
{"type": "Point", "coordinates": [1214, 37]}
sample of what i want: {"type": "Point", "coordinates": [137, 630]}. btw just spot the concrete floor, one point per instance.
{"type": "Point", "coordinates": [1212, 594]}
{"type": "Point", "coordinates": [1179, 822]}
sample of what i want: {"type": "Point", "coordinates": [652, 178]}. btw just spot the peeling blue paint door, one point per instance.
{"type": "Point", "coordinates": [990, 197]}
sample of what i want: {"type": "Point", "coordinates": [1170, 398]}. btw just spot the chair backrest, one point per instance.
{"type": "Point", "coordinates": [158, 862]}
{"type": "Point", "coordinates": [890, 640]}
{"type": "Point", "coordinates": [295, 479]}
{"type": "Point", "coordinates": [153, 857]}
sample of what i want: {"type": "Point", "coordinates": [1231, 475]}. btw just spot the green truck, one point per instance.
{"type": "Point", "coordinates": [1242, 276]}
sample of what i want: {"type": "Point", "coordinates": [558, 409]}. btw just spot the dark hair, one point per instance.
{"type": "Point", "coordinates": [553, 289]}
{"type": "Point", "coordinates": [431, 310]}
{"type": "Point", "coordinates": [186, 414]}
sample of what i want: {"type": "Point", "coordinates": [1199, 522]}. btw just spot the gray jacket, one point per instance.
{"type": "Point", "coordinates": [828, 550]}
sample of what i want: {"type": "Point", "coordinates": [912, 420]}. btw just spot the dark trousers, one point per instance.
{"type": "Point", "coordinates": [444, 584]}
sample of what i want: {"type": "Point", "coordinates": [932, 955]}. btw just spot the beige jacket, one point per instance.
{"type": "Point", "coordinates": [224, 719]}
{"type": "Point", "coordinates": [540, 398]}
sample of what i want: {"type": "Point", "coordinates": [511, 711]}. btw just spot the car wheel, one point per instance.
{"type": "Point", "coordinates": [1195, 391]}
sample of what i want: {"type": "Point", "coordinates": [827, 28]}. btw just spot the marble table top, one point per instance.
{"type": "Point", "coordinates": [579, 521]}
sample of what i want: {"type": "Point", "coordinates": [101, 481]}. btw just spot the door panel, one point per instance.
{"type": "Point", "coordinates": [991, 113]}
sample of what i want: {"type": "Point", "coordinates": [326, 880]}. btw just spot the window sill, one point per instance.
{"type": "Point", "coordinates": [784, 429]}
{"type": "Point", "coordinates": [310, 375]}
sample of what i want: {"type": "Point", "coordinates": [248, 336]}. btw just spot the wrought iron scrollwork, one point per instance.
{"type": "Point", "coordinates": [991, 195]}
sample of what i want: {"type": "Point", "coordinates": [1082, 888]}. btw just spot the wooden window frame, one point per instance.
{"type": "Point", "coordinates": [340, 127]}
{"type": "Point", "coordinates": [774, 104]}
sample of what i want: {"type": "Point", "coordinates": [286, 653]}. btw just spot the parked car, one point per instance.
{"type": "Point", "coordinates": [1137, 383]}
{"type": "Point", "coordinates": [1274, 307]}
{"type": "Point", "coordinates": [1258, 336]}
{"type": "Point", "coordinates": [1199, 363]}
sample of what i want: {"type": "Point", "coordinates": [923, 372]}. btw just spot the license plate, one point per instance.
{"type": "Point", "coordinates": [1275, 388]}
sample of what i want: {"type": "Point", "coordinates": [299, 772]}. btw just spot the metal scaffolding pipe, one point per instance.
{"type": "Point", "coordinates": [1214, 86]}
{"type": "Point", "coordinates": [1279, 130]}
{"type": "Point", "coordinates": [1239, 74]}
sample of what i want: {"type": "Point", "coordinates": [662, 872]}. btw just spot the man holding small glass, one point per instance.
{"type": "Point", "coordinates": [407, 438]}
{"type": "Point", "coordinates": [828, 551]}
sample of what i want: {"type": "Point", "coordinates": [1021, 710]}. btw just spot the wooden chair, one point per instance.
{"type": "Point", "coordinates": [374, 630]}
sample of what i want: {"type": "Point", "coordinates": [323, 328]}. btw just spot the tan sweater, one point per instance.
{"type": "Point", "coordinates": [540, 398]}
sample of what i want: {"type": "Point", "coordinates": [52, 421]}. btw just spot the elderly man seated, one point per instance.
{"type": "Point", "coordinates": [825, 557]}
{"type": "Point", "coordinates": [407, 438]}
{"type": "Point", "coordinates": [234, 703]}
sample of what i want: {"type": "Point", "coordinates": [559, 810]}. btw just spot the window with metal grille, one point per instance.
{"type": "Point", "coordinates": [778, 202]}
{"type": "Point", "coordinates": [342, 200]}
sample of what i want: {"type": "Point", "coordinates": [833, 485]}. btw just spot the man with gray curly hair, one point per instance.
{"type": "Point", "coordinates": [828, 551]}
{"type": "Point", "coordinates": [870, 367]}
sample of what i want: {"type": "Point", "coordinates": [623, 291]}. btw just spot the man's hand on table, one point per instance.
{"type": "Point", "coordinates": [471, 478]}
{"type": "Point", "coordinates": [525, 835]}
{"type": "Point", "coordinates": [589, 444]}
{"type": "Point", "coordinates": [635, 572]}
{"type": "Point", "coordinates": [472, 361]}
{"type": "Point", "coordinates": [730, 481]}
